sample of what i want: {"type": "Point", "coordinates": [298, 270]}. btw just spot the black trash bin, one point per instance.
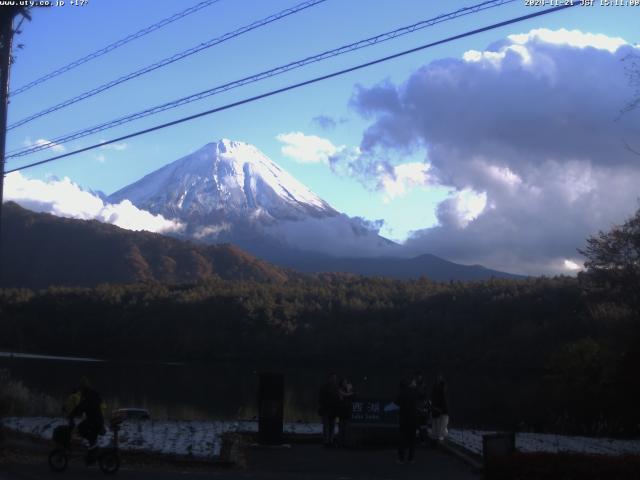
{"type": "Point", "coordinates": [498, 450]}
{"type": "Point", "coordinates": [271, 408]}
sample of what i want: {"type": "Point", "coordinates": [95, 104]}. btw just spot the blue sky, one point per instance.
{"type": "Point", "coordinates": [58, 35]}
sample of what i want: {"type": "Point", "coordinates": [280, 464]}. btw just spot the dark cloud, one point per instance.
{"type": "Point", "coordinates": [324, 122]}
{"type": "Point", "coordinates": [531, 229]}
{"type": "Point", "coordinates": [327, 123]}
{"type": "Point", "coordinates": [564, 105]}
{"type": "Point", "coordinates": [632, 68]}
{"type": "Point", "coordinates": [532, 124]}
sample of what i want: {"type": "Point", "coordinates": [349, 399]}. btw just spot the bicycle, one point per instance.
{"type": "Point", "coordinates": [108, 458]}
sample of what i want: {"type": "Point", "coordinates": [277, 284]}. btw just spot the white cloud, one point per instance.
{"type": "Point", "coordinates": [495, 59]}
{"type": "Point", "coordinates": [46, 143]}
{"type": "Point", "coordinates": [66, 199]}
{"type": "Point", "coordinates": [462, 208]}
{"type": "Point", "coordinates": [212, 231]}
{"type": "Point", "coordinates": [307, 148]}
{"type": "Point", "coordinates": [572, 38]}
{"type": "Point", "coordinates": [118, 147]}
{"type": "Point", "coordinates": [401, 178]}
{"type": "Point", "coordinates": [126, 215]}
{"type": "Point", "coordinates": [527, 44]}
{"type": "Point", "coordinates": [100, 158]}
{"type": "Point", "coordinates": [528, 136]}
{"type": "Point", "coordinates": [504, 175]}
{"type": "Point", "coordinates": [571, 265]}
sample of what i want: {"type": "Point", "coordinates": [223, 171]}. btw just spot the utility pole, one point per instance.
{"type": "Point", "coordinates": [6, 17]}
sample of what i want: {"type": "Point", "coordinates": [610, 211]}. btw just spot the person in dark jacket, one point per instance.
{"type": "Point", "coordinates": [329, 405]}
{"type": "Point", "coordinates": [346, 393]}
{"type": "Point", "coordinates": [92, 425]}
{"type": "Point", "coordinates": [440, 409]}
{"type": "Point", "coordinates": [408, 417]}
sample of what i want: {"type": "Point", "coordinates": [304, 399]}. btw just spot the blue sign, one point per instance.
{"type": "Point", "coordinates": [374, 410]}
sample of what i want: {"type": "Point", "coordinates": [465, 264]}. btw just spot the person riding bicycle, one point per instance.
{"type": "Point", "coordinates": [90, 405]}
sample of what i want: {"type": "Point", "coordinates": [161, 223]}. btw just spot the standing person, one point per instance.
{"type": "Point", "coordinates": [440, 409]}
{"type": "Point", "coordinates": [328, 403]}
{"type": "Point", "coordinates": [408, 417]}
{"type": "Point", "coordinates": [346, 393]}
{"type": "Point", "coordinates": [423, 404]}
{"type": "Point", "coordinates": [90, 405]}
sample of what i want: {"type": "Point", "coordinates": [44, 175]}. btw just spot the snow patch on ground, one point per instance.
{"type": "Point", "coordinates": [549, 443]}
{"type": "Point", "coordinates": [199, 439]}
{"type": "Point", "coordinates": [203, 439]}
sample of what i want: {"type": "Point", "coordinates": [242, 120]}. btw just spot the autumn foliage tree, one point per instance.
{"type": "Point", "coordinates": [612, 280]}
{"type": "Point", "coordinates": [613, 263]}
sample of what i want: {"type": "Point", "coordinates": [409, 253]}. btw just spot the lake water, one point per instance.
{"type": "Point", "coordinates": [184, 391]}
{"type": "Point", "coordinates": [228, 390]}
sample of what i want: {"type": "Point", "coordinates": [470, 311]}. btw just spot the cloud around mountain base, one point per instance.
{"type": "Point", "coordinates": [64, 198]}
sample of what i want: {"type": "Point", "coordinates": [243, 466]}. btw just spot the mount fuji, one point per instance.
{"type": "Point", "coordinates": [225, 179]}
{"type": "Point", "coordinates": [230, 192]}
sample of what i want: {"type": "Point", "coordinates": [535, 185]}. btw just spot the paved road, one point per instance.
{"type": "Point", "coordinates": [310, 462]}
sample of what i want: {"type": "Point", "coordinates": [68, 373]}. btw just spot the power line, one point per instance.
{"type": "Point", "coordinates": [298, 85]}
{"type": "Point", "coordinates": [170, 60]}
{"type": "Point", "coordinates": [261, 76]}
{"type": "Point", "coordinates": [130, 38]}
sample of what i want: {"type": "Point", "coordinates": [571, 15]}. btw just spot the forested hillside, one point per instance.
{"type": "Point", "coordinates": [39, 250]}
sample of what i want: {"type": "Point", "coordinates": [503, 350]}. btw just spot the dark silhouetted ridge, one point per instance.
{"type": "Point", "coordinates": [39, 250]}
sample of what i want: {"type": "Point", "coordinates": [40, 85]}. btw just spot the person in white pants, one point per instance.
{"type": "Point", "coordinates": [440, 409]}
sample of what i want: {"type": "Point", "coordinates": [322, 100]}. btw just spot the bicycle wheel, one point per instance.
{"type": "Point", "coordinates": [109, 461]}
{"type": "Point", "coordinates": [58, 460]}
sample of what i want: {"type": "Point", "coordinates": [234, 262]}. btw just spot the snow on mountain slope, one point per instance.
{"type": "Point", "coordinates": [224, 180]}
{"type": "Point", "coordinates": [231, 192]}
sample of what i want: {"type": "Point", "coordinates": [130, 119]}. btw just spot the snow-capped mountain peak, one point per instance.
{"type": "Point", "coordinates": [256, 165]}
{"type": "Point", "coordinates": [225, 179]}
